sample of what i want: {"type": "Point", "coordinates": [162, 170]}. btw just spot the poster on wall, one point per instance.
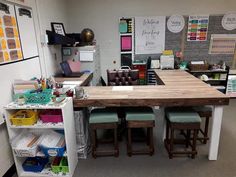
{"type": "Point", "coordinates": [10, 46]}
{"type": "Point", "coordinates": [175, 23]}
{"type": "Point", "coordinates": [229, 21]}
{"type": "Point", "coordinates": [222, 44]}
{"type": "Point", "coordinates": [197, 27]}
{"type": "Point", "coordinates": [150, 35]}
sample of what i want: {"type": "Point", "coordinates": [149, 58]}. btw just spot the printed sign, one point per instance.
{"type": "Point", "coordinates": [229, 21]}
{"type": "Point", "coordinates": [175, 23]}
{"type": "Point", "coordinates": [150, 35]}
{"type": "Point", "coordinates": [197, 27]}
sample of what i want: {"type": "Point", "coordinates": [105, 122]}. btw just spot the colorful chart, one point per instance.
{"type": "Point", "coordinates": [197, 28]}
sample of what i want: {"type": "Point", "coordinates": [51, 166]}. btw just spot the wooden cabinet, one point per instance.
{"type": "Point", "coordinates": [215, 78]}
{"type": "Point", "coordinates": [67, 126]}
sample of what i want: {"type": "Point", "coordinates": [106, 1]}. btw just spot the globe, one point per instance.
{"type": "Point", "coordinates": [87, 36]}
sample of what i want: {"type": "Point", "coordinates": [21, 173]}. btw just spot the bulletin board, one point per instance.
{"type": "Point", "coordinates": [10, 45]}
{"type": "Point", "coordinates": [194, 50]}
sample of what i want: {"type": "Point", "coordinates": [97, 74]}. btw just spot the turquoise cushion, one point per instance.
{"type": "Point", "coordinates": [202, 108]}
{"type": "Point", "coordinates": [140, 114]}
{"type": "Point", "coordinates": [183, 117]}
{"type": "Point", "coordinates": [103, 116]}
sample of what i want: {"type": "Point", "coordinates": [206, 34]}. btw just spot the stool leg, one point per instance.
{"type": "Point", "coordinates": [187, 138]}
{"type": "Point", "coordinates": [94, 142]}
{"type": "Point", "coordinates": [151, 146]}
{"type": "Point", "coordinates": [171, 143]}
{"type": "Point", "coordinates": [116, 143]}
{"type": "Point", "coordinates": [194, 143]}
{"type": "Point", "coordinates": [148, 136]}
{"type": "Point", "coordinates": [129, 144]}
{"type": "Point", "coordinates": [206, 130]}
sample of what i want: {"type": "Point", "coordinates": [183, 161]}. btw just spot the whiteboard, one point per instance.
{"type": "Point", "coordinates": [150, 35]}
{"type": "Point", "coordinates": [27, 33]}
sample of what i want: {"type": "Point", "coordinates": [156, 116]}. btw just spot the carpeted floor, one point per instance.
{"type": "Point", "coordinates": [159, 165]}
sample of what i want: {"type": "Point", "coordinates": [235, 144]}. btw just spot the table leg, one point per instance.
{"type": "Point", "coordinates": [162, 114]}
{"type": "Point", "coordinates": [215, 132]}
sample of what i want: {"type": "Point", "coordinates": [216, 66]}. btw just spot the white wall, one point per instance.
{"type": "Point", "coordinates": [44, 12]}
{"type": "Point", "coordinates": [102, 17]}
{"type": "Point", "coordinates": [51, 11]}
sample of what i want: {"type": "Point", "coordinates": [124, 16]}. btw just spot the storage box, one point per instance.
{"type": "Point", "coordinates": [35, 164]}
{"type": "Point", "coordinates": [51, 115]}
{"type": "Point", "coordinates": [24, 117]}
{"type": "Point", "coordinates": [30, 146]}
{"type": "Point", "coordinates": [38, 97]}
{"type": "Point", "coordinates": [198, 67]}
{"type": "Point", "coordinates": [60, 165]}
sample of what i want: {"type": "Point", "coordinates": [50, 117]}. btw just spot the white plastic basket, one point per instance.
{"type": "Point", "coordinates": [30, 151]}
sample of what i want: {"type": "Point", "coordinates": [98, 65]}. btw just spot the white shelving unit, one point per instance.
{"type": "Point", "coordinates": [129, 32]}
{"type": "Point", "coordinates": [69, 130]}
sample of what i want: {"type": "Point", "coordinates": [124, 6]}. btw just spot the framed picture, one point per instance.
{"type": "Point", "coordinates": [58, 28]}
{"type": "Point", "coordinates": [126, 43]}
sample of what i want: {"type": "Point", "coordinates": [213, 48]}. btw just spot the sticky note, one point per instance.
{"type": "Point", "coordinates": [13, 20]}
{"type": "Point", "coordinates": [1, 32]}
{"type": "Point", "coordinates": [17, 43]}
{"type": "Point", "coordinates": [16, 34]}
{"type": "Point", "coordinates": [6, 56]}
{"type": "Point", "coordinates": [19, 53]}
{"type": "Point", "coordinates": [4, 44]}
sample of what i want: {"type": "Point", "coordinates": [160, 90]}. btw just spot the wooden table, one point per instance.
{"type": "Point", "coordinates": [179, 89]}
{"type": "Point", "coordinates": [85, 79]}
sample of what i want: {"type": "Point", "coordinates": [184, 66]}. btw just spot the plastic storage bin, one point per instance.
{"type": "Point", "coordinates": [35, 164]}
{"type": "Point", "coordinates": [38, 97]}
{"type": "Point", "coordinates": [30, 146]}
{"type": "Point", "coordinates": [24, 117]}
{"type": "Point", "coordinates": [51, 115]}
{"type": "Point", "coordinates": [60, 164]}
{"type": "Point", "coordinates": [56, 151]}
{"type": "Point", "coordinates": [56, 165]}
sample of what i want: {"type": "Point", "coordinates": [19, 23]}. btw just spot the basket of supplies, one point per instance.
{"type": "Point", "coordinates": [24, 117]}
{"type": "Point", "coordinates": [198, 66]}
{"type": "Point", "coordinates": [34, 164]}
{"type": "Point", "coordinates": [51, 115]}
{"type": "Point", "coordinates": [60, 164]}
{"type": "Point", "coordinates": [52, 143]}
{"type": "Point", "coordinates": [38, 97]}
{"type": "Point", "coordinates": [25, 144]}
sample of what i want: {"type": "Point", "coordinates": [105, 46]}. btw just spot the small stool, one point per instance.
{"type": "Point", "coordinates": [204, 112]}
{"type": "Point", "coordinates": [177, 120]}
{"type": "Point", "coordinates": [103, 119]}
{"type": "Point", "coordinates": [140, 117]}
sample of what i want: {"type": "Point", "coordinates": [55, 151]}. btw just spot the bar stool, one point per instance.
{"type": "Point", "coordinates": [179, 120]}
{"type": "Point", "coordinates": [103, 118]}
{"type": "Point", "coordinates": [204, 112]}
{"type": "Point", "coordinates": [140, 117]}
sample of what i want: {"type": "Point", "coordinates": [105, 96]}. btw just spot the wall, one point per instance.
{"type": "Point", "coordinates": [102, 17]}
{"type": "Point", "coordinates": [44, 13]}
{"type": "Point", "coordinates": [51, 11]}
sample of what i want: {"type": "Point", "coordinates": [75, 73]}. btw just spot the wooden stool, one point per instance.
{"type": "Point", "coordinates": [177, 120]}
{"type": "Point", "coordinates": [204, 112]}
{"type": "Point", "coordinates": [103, 119]}
{"type": "Point", "coordinates": [140, 118]}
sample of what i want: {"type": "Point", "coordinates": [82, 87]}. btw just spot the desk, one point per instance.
{"type": "Point", "coordinates": [179, 89]}
{"type": "Point", "coordinates": [85, 79]}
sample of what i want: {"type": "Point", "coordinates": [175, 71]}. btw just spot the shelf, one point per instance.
{"type": "Point", "coordinates": [126, 52]}
{"type": "Point", "coordinates": [209, 71]}
{"type": "Point", "coordinates": [126, 34]}
{"type": "Point", "coordinates": [57, 39]}
{"type": "Point", "coordinates": [50, 105]}
{"type": "Point", "coordinates": [41, 125]}
{"type": "Point", "coordinates": [42, 174]}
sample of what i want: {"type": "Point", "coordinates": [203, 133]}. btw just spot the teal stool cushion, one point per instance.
{"type": "Point", "coordinates": [103, 116]}
{"type": "Point", "coordinates": [202, 108]}
{"type": "Point", "coordinates": [140, 114]}
{"type": "Point", "coordinates": [183, 117]}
